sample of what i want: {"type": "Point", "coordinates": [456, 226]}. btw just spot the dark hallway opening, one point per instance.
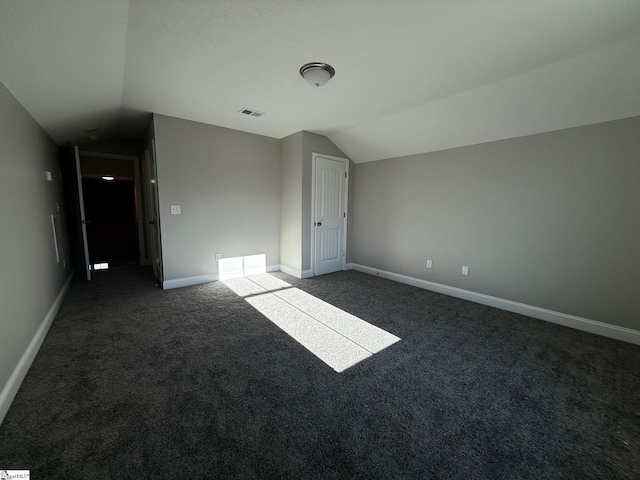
{"type": "Point", "coordinates": [111, 221]}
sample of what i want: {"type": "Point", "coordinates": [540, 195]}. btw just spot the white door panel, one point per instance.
{"type": "Point", "coordinates": [83, 217]}
{"type": "Point", "coordinates": [72, 178]}
{"type": "Point", "coordinates": [329, 215]}
{"type": "Point", "coordinates": [329, 245]}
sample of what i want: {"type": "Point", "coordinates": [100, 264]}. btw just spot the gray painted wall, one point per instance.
{"type": "Point", "coordinates": [228, 185]}
{"type": "Point", "coordinates": [549, 220]}
{"type": "Point", "coordinates": [95, 167]}
{"type": "Point", "coordinates": [116, 146]}
{"type": "Point", "coordinates": [30, 278]}
{"type": "Point", "coordinates": [291, 201]}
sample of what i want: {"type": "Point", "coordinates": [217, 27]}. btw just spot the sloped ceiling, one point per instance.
{"type": "Point", "coordinates": [412, 76]}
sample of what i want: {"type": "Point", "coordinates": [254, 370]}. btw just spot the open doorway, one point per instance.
{"type": "Point", "coordinates": [111, 216]}
{"type": "Point", "coordinates": [110, 192]}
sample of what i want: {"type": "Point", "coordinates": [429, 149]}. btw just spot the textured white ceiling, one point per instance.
{"type": "Point", "coordinates": [64, 61]}
{"type": "Point", "coordinates": [412, 76]}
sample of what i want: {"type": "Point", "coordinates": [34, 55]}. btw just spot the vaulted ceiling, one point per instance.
{"type": "Point", "coordinates": [412, 76]}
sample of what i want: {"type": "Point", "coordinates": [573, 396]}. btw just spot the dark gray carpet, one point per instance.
{"type": "Point", "coordinates": [136, 382]}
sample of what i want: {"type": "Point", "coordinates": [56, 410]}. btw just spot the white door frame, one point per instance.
{"type": "Point", "coordinates": [314, 156]}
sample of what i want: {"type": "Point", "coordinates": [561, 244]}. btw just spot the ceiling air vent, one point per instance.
{"type": "Point", "coordinates": [251, 113]}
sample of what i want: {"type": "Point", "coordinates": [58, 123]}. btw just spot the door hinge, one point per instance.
{"type": "Point", "coordinates": [345, 174]}
{"type": "Point", "coordinates": [344, 215]}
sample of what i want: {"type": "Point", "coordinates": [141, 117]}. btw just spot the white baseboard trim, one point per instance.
{"type": "Point", "coordinates": [291, 271]}
{"type": "Point", "coordinates": [10, 390]}
{"type": "Point", "coordinates": [592, 326]}
{"type": "Point", "coordinates": [296, 272]}
{"type": "Point", "coordinates": [348, 266]}
{"type": "Point", "coordinates": [188, 281]}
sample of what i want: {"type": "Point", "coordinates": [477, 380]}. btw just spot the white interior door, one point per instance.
{"type": "Point", "coordinates": [330, 212]}
{"type": "Point", "coordinates": [72, 180]}
{"type": "Point", "coordinates": [72, 177]}
{"type": "Point", "coordinates": [86, 262]}
{"type": "Point", "coordinates": [154, 216]}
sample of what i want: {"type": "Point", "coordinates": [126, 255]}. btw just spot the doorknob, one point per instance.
{"type": "Point", "coordinates": [319, 224]}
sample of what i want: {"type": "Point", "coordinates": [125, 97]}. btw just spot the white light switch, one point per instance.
{"type": "Point", "coordinates": [175, 210]}
{"type": "Point", "coordinates": [48, 176]}
{"type": "Point", "coordinates": [465, 270]}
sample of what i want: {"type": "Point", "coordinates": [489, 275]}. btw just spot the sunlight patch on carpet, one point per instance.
{"type": "Point", "coordinates": [368, 336]}
{"type": "Point", "coordinates": [328, 345]}
{"type": "Point", "coordinates": [336, 337]}
{"type": "Point", "coordinates": [244, 287]}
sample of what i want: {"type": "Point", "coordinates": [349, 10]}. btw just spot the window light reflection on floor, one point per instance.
{"type": "Point", "coordinates": [334, 336]}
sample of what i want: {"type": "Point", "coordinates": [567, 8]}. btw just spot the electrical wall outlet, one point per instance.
{"type": "Point", "coordinates": [465, 270]}
{"type": "Point", "coordinates": [218, 257]}
{"type": "Point", "coordinates": [176, 210]}
{"type": "Point", "coordinates": [429, 264]}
